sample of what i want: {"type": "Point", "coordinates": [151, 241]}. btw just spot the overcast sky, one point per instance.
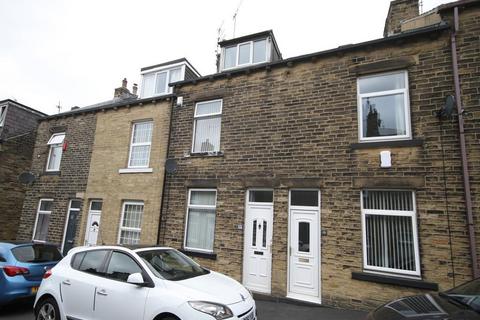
{"type": "Point", "coordinates": [77, 52]}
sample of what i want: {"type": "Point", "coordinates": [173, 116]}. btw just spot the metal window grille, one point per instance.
{"type": "Point", "coordinates": [131, 225]}
{"type": "Point", "coordinates": [390, 239]}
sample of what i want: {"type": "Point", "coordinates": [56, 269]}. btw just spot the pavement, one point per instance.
{"type": "Point", "coordinates": [267, 310]}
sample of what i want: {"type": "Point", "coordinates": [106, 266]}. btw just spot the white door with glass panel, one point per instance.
{"type": "Point", "coordinates": [93, 223]}
{"type": "Point", "coordinates": [304, 245]}
{"type": "Point", "coordinates": [257, 264]}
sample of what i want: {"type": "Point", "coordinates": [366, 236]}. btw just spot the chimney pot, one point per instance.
{"type": "Point", "coordinates": [135, 88]}
{"type": "Point", "coordinates": [124, 83]}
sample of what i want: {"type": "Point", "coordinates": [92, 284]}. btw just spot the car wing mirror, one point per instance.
{"type": "Point", "coordinates": [136, 278]}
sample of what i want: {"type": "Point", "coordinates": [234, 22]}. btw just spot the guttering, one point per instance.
{"type": "Point", "coordinates": [112, 105]}
{"type": "Point", "coordinates": [463, 148]}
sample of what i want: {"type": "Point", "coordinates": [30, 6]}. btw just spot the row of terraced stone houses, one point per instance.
{"type": "Point", "coordinates": [344, 177]}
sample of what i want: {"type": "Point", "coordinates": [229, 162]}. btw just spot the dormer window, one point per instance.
{"type": "Point", "coordinates": [251, 52]}
{"type": "Point", "coordinates": [156, 83]}
{"type": "Point", "coordinates": [248, 50]}
{"type": "Point", "coordinates": [156, 79]}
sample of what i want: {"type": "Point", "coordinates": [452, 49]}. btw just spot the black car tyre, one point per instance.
{"type": "Point", "coordinates": [47, 310]}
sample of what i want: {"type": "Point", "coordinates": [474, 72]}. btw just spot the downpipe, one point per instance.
{"type": "Point", "coordinates": [463, 149]}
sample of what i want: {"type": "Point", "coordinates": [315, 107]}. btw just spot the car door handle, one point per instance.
{"type": "Point", "coordinates": [66, 282]}
{"type": "Point", "coordinates": [102, 292]}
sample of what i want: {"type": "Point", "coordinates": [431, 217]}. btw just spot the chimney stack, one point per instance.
{"type": "Point", "coordinates": [122, 92]}
{"type": "Point", "coordinates": [400, 10]}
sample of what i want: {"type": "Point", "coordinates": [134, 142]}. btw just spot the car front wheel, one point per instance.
{"type": "Point", "coordinates": [48, 310]}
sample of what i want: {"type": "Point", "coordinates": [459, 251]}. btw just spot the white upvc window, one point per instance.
{"type": "Point", "coordinates": [40, 230]}
{"type": "Point", "coordinates": [200, 221]}
{"type": "Point", "coordinates": [390, 241]}
{"type": "Point", "coordinates": [157, 83]}
{"type": "Point", "coordinates": [207, 126]}
{"type": "Point", "coordinates": [55, 151]}
{"type": "Point", "coordinates": [140, 144]}
{"type": "Point", "coordinates": [3, 115]}
{"type": "Point", "coordinates": [384, 107]}
{"type": "Point", "coordinates": [131, 222]}
{"type": "Point", "coordinates": [246, 53]}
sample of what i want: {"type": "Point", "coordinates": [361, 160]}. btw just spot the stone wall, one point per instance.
{"type": "Point", "coordinates": [17, 138]}
{"type": "Point", "coordinates": [110, 154]}
{"type": "Point", "coordinates": [296, 126]}
{"type": "Point", "coordinates": [67, 184]}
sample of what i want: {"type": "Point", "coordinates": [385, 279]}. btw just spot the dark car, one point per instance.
{"type": "Point", "coordinates": [22, 266]}
{"type": "Point", "coordinates": [462, 302]}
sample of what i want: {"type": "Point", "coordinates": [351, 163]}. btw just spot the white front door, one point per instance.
{"type": "Point", "coordinates": [257, 261]}
{"type": "Point", "coordinates": [304, 245]}
{"type": "Point", "coordinates": [93, 223]}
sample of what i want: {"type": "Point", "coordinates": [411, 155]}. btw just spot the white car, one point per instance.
{"type": "Point", "coordinates": [116, 283]}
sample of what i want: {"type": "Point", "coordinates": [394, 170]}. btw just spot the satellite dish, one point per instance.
{"type": "Point", "coordinates": [26, 177]}
{"type": "Point", "coordinates": [171, 166]}
{"type": "Point", "coordinates": [448, 108]}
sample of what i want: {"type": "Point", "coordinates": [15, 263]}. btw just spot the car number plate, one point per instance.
{"type": "Point", "coordinates": [34, 289]}
{"type": "Point", "coordinates": [250, 316]}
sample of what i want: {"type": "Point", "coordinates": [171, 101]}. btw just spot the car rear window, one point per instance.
{"type": "Point", "coordinates": [36, 253]}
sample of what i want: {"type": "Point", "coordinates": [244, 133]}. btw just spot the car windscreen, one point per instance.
{"type": "Point", "coordinates": [36, 253]}
{"type": "Point", "coordinates": [467, 293]}
{"type": "Point", "coordinates": [171, 264]}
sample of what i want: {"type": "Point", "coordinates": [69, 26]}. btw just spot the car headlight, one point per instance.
{"type": "Point", "coordinates": [216, 310]}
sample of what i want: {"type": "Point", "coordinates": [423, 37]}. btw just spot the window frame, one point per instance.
{"type": "Point", "coordinates": [237, 58]}
{"type": "Point", "coordinates": [260, 189]}
{"type": "Point", "coordinates": [39, 212]}
{"type": "Point", "coordinates": [416, 245]}
{"type": "Point", "coordinates": [50, 148]}
{"type": "Point", "coordinates": [200, 207]}
{"type": "Point", "coordinates": [122, 228]}
{"type": "Point", "coordinates": [405, 91]}
{"type": "Point", "coordinates": [3, 114]}
{"type": "Point", "coordinates": [168, 89]}
{"type": "Point", "coordinates": [137, 144]}
{"type": "Point", "coordinates": [210, 115]}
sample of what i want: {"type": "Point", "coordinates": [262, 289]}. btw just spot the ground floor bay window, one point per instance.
{"type": "Point", "coordinates": [390, 242]}
{"type": "Point", "coordinates": [200, 226]}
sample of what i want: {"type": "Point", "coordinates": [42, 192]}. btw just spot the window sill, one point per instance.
{"type": "Point", "coordinates": [205, 255]}
{"type": "Point", "coordinates": [206, 154]}
{"type": "Point", "coordinates": [51, 173]}
{"type": "Point", "coordinates": [135, 170]}
{"type": "Point", "coordinates": [405, 282]}
{"type": "Point", "coordinates": [387, 144]}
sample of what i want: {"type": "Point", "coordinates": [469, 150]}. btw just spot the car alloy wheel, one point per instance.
{"type": "Point", "coordinates": [47, 311]}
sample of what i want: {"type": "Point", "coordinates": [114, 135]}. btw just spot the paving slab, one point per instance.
{"type": "Point", "coordinates": [271, 310]}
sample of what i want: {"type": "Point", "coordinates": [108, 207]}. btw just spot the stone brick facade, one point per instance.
{"type": "Point", "coordinates": [69, 182]}
{"type": "Point", "coordinates": [111, 154]}
{"type": "Point", "coordinates": [295, 125]}
{"type": "Point", "coordinates": [17, 137]}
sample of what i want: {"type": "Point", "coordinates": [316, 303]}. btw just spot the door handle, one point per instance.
{"type": "Point", "coordinates": [66, 282]}
{"type": "Point", "coordinates": [102, 292]}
